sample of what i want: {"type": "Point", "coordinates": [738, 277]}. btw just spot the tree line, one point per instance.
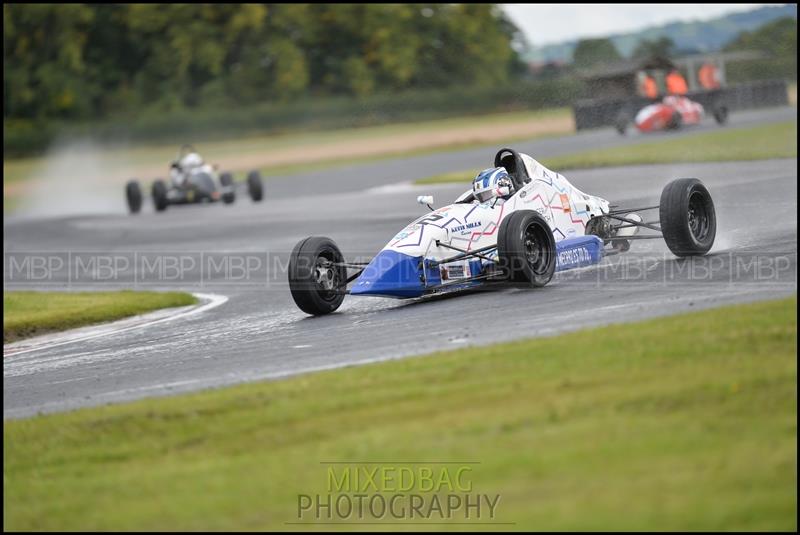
{"type": "Point", "coordinates": [777, 40]}
{"type": "Point", "coordinates": [85, 61]}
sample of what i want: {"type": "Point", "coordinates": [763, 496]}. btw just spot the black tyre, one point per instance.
{"type": "Point", "coordinates": [316, 284]}
{"type": "Point", "coordinates": [255, 186]}
{"type": "Point", "coordinates": [133, 194]}
{"type": "Point", "coordinates": [526, 248]}
{"type": "Point", "coordinates": [228, 191]}
{"type": "Point", "coordinates": [720, 114]}
{"type": "Point", "coordinates": [621, 124]}
{"type": "Point", "coordinates": [160, 195]}
{"type": "Point", "coordinates": [676, 121]}
{"type": "Point", "coordinates": [688, 219]}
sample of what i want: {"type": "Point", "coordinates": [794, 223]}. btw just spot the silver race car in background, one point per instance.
{"type": "Point", "coordinates": [192, 181]}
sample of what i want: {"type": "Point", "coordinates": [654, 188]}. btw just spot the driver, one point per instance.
{"type": "Point", "coordinates": [492, 183]}
{"type": "Point", "coordinates": [181, 168]}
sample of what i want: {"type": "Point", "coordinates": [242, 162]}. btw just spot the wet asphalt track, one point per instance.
{"type": "Point", "coordinates": [258, 333]}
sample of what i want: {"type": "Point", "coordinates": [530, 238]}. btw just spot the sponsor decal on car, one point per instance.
{"type": "Point", "coordinates": [456, 270]}
{"type": "Point", "coordinates": [459, 228]}
{"type": "Point", "coordinates": [574, 257]}
{"type": "Point", "coordinates": [565, 202]}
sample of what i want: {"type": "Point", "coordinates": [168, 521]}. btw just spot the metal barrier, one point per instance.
{"type": "Point", "coordinates": [595, 113]}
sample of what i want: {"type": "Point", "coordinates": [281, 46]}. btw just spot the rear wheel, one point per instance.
{"type": "Point", "coordinates": [720, 114]}
{"type": "Point", "coordinates": [526, 248]}
{"type": "Point", "coordinates": [621, 123]}
{"type": "Point", "coordinates": [228, 192]}
{"type": "Point", "coordinates": [676, 121]}
{"type": "Point", "coordinates": [160, 195]}
{"type": "Point", "coordinates": [255, 186]}
{"type": "Point", "coordinates": [688, 219]}
{"type": "Point", "coordinates": [316, 284]}
{"type": "Point", "coordinates": [133, 194]}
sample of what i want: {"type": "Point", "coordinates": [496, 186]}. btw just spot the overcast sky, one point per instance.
{"type": "Point", "coordinates": [551, 23]}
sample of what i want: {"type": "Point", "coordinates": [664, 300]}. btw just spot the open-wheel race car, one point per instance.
{"type": "Point", "coordinates": [672, 113]}
{"type": "Point", "coordinates": [192, 181]}
{"type": "Point", "coordinates": [518, 224]}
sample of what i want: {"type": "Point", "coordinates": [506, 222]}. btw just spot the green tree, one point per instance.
{"type": "Point", "coordinates": [83, 61]}
{"type": "Point", "coordinates": [647, 48]}
{"type": "Point", "coordinates": [777, 38]}
{"type": "Point", "coordinates": [44, 68]}
{"type": "Point", "coordinates": [778, 41]}
{"type": "Point", "coordinates": [590, 52]}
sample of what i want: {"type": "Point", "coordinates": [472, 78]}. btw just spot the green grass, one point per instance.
{"type": "Point", "coordinates": [32, 313]}
{"type": "Point", "coordinates": [680, 423]}
{"type": "Point", "coordinates": [778, 140]}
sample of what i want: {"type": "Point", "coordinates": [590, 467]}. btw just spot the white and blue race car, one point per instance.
{"type": "Point", "coordinates": [544, 225]}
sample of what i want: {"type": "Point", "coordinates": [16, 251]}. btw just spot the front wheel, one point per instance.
{"type": "Point", "coordinates": [688, 219]}
{"type": "Point", "coordinates": [160, 195]}
{"type": "Point", "coordinates": [526, 248]}
{"type": "Point", "coordinates": [228, 192]}
{"type": "Point", "coordinates": [317, 278]}
{"type": "Point", "coordinates": [255, 186]}
{"type": "Point", "coordinates": [133, 194]}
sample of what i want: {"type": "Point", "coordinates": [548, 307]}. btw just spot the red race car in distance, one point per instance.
{"type": "Point", "coordinates": [671, 113]}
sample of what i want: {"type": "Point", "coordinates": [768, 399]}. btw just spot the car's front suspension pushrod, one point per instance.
{"type": "Point", "coordinates": [629, 210]}
{"type": "Point", "coordinates": [634, 222]}
{"type": "Point", "coordinates": [351, 265]}
{"type": "Point", "coordinates": [632, 225]}
{"type": "Point", "coordinates": [353, 277]}
{"type": "Point", "coordinates": [464, 253]}
{"type": "Point", "coordinates": [629, 238]}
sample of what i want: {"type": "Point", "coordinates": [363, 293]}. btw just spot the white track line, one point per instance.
{"type": "Point", "coordinates": [128, 324]}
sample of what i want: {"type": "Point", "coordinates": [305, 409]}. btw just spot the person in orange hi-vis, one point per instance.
{"type": "Point", "coordinates": [676, 84]}
{"type": "Point", "coordinates": [649, 87]}
{"type": "Point", "coordinates": [708, 76]}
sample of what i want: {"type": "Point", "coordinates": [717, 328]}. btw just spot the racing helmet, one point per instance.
{"type": "Point", "coordinates": [491, 183]}
{"type": "Point", "coordinates": [191, 160]}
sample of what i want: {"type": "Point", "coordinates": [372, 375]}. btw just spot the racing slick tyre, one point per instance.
{"type": "Point", "coordinates": [160, 195]}
{"type": "Point", "coordinates": [676, 121]}
{"type": "Point", "coordinates": [228, 192]}
{"type": "Point", "coordinates": [720, 113]}
{"type": "Point", "coordinates": [688, 219]}
{"type": "Point", "coordinates": [133, 194]}
{"type": "Point", "coordinates": [317, 286]}
{"type": "Point", "coordinates": [621, 123]}
{"type": "Point", "coordinates": [526, 248]}
{"type": "Point", "coordinates": [255, 186]}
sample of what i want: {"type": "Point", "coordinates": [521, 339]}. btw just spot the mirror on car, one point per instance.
{"type": "Point", "coordinates": [426, 200]}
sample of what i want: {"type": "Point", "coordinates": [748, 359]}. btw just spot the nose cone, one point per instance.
{"type": "Point", "coordinates": [391, 274]}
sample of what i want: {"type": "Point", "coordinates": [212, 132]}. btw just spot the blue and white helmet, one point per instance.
{"type": "Point", "coordinates": [491, 183]}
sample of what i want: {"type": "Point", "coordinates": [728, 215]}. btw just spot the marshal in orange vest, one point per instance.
{"type": "Point", "coordinates": [676, 84]}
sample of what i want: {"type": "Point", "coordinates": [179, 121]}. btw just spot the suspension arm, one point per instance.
{"type": "Point", "coordinates": [464, 253]}
{"type": "Point", "coordinates": [629, 210]}
{"type": "Point", "coordinates": [634, 222]}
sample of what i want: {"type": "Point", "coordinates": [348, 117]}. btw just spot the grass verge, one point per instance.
{"type": "Point", "coordinates": [679, 423]}
{"type": "Point", "coordinates": [778, 140]}
{"type": "Point", "coordinates": [28, 314]}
